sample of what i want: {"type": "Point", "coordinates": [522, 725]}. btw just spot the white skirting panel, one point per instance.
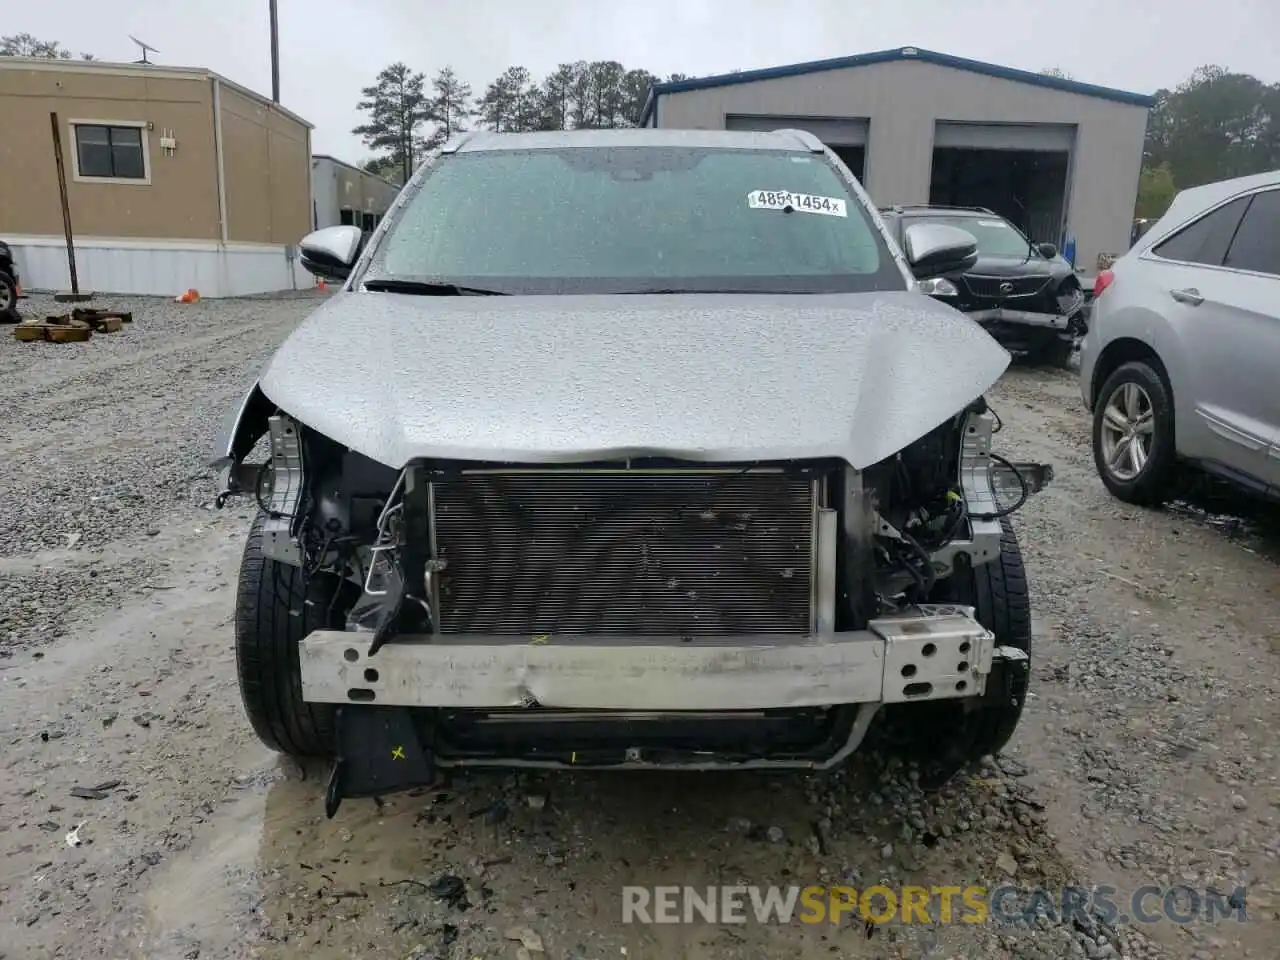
{"type": "Point", "coordinates": [120, 265]}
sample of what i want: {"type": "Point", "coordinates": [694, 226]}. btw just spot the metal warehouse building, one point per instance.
{"type": "Point", "coordinates": [176, 177]}
{"type": "Point", "coordinates": [1060, 159]}
{"type": "Point", "coordinates": [345, 195]}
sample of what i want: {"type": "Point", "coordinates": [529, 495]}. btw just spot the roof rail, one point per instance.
{"type": "Point", "coordinates": [807, 139]}
{"type": "Point", "coordinates": [454, 143]}
{"type": "Point", "coordinates": [901, 207]}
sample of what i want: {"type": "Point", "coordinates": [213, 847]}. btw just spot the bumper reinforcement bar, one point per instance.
{"type": "Point", "coordinates": [930, 653]}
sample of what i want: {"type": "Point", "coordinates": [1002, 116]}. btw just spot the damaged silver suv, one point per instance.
{"type": "Point", "coordinates": [625, 449]}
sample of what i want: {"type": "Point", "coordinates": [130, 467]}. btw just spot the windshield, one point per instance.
{"type": "Point", "coordinates": [637, 219]}
{"type": "Point", "coordinates": [996, 237]}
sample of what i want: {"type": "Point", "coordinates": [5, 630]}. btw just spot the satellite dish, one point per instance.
{"type": "Point", "coordinates": [145, 47]}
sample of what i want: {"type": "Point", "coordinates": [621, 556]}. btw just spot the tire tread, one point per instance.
{"type": "Point", "coordinates": [276, 607]}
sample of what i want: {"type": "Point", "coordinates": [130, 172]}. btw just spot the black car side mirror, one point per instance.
{"type": "Point", "coordinates": [1047, 250]}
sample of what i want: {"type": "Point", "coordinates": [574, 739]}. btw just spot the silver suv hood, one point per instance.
{"type": "Point", "coordinates": [701, 377]}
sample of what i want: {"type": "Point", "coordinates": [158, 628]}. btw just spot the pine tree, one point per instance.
{"type": "Point", "coordinates": [397, 107]}
{"type": "Point", "coordinates": [511, 103]}
{"type": "Point", "coordinates": [451, 103]}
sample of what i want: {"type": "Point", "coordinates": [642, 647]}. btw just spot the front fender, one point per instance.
{"type": "Point", "coordinates": [244, 427]}
{"type": "Point", "coordinates": [240, 432]}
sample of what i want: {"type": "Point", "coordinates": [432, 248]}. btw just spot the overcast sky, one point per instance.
{"type": "Point", "coordinates": [330, 49]}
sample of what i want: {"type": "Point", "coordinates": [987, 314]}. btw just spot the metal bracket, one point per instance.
{"type": "Point", "coordinates": [1036, 476]}
{"type": "Point", "coordinates": [934, 652]}
{"type": "Point", "coordinates": [279, 530]}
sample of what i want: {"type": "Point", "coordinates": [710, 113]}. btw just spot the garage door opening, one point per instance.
{"type": "Point", "coordinates": [855, 158]}
{"type": "Point", "coordinates": [846, 136]}
{"type": "Point", "coordinates": [1027, 187]}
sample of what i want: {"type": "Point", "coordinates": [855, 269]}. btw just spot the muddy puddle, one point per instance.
{"type": "Point", "coordinates": [452, 873]}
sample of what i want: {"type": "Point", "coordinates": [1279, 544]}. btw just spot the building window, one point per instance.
{"type": "Point", "coordinates": [369, 221]}
{"type": "Point", "coordinates": [347, 217]}
{"type": "Point", "coordinates": [110, 151]}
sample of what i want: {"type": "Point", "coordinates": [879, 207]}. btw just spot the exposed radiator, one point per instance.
{"type": "Point", "coordinates": [625, 552]}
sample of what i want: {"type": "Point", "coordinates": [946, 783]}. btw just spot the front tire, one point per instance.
{"type": "Point", "coordinates": [944, 736]}
{"type": "Point", "coordinates": [276, 607]}
{"type": "Point", "coordinates": [1001, 597]}
{"type": "Point", "coordinates": [1133, 440]}
{"type": "Point", "coordinates": [1055, 353]}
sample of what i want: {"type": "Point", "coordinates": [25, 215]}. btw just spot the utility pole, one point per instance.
{"type": "Point", "coordinates": [75, 296]}
{"type": "Point", "coordinates": [275, 55]}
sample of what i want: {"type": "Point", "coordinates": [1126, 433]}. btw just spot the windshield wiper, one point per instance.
{"type": "Point", "coordinates": [429, 288]}
{"type": "Point", "coordinates": [672, 291]}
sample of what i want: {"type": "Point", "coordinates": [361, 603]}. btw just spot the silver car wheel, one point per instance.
{"type": "Point", "coordinates": [8, 295]}
{"type": "Point", "coordinates": [1128, 430]}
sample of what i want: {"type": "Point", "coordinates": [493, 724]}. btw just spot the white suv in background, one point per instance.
{"type": "Point", "coordinates": [1182, 358]}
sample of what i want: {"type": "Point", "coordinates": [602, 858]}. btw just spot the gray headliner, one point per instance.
{"type": "Point", "coordinates": [485, 141]}
{"type": "Point", "coordinates": [571, 379]}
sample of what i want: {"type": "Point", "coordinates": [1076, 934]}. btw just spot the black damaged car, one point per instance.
{"type": "Point", "coordinates": [1025, 294]}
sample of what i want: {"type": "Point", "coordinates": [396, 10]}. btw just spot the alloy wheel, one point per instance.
{"type": "Point", "coordinates": [1128, 431]}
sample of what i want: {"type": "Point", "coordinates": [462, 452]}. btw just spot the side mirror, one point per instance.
{"type": "Point", "coordinates": [330, 253]}
{"type": "Point", "coordinates": [1047, 250]}
{"type": "Point", "coordinates": [934, 249]}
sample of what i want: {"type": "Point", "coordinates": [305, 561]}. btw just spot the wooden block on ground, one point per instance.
{"type": "Point", "coordinates": [72, 333]}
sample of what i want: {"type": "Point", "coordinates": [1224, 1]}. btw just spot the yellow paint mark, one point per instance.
{"type": "Point", "coordinates": [573, 757]}
{"type": "Point", "coordinates": [540, 638]}
{"type": "Point", "coordinates": [397, 753]}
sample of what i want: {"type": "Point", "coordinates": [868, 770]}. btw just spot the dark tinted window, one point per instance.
{"type": "Point", "coordinates": [113, 152]}
{"type": "Point", "coordinates": [634, 219]}
{"type": "Point", "coordinates": [1257, 243]}
{"type": "Point", "coordinates": [1206, 240]}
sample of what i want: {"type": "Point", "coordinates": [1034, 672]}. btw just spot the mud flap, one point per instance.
{"type": "Point", "coordinates": [379, 751]}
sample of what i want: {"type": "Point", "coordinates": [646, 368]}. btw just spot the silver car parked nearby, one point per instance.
{"type": "Point", "coordinates": [1183, 351]}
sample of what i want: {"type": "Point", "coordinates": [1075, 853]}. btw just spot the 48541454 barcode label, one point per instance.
{"type": "Point", "coordinates": [799, 202]}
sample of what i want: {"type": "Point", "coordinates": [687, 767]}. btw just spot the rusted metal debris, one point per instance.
{"type": "Point", "coordinates": [74, 327]}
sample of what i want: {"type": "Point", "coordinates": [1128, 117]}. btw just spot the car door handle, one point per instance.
{"type": "Point", "coordinates": [1190, 296]}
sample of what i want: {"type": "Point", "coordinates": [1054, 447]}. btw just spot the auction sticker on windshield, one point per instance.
{"type": "Point", "coordinates": [803, 202]}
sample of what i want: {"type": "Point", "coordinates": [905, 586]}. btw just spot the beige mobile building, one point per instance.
{"type": "Point", "coordinates": [176, 177]}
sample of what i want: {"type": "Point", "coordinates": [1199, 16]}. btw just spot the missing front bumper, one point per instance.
{"type": "Point", "coordinates": [933, 653]}
{"type": "Point", "coordinates": [732, 703]}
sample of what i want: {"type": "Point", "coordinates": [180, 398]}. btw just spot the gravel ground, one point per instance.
{"type": "Point", "coordinates": [1147, 756]}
